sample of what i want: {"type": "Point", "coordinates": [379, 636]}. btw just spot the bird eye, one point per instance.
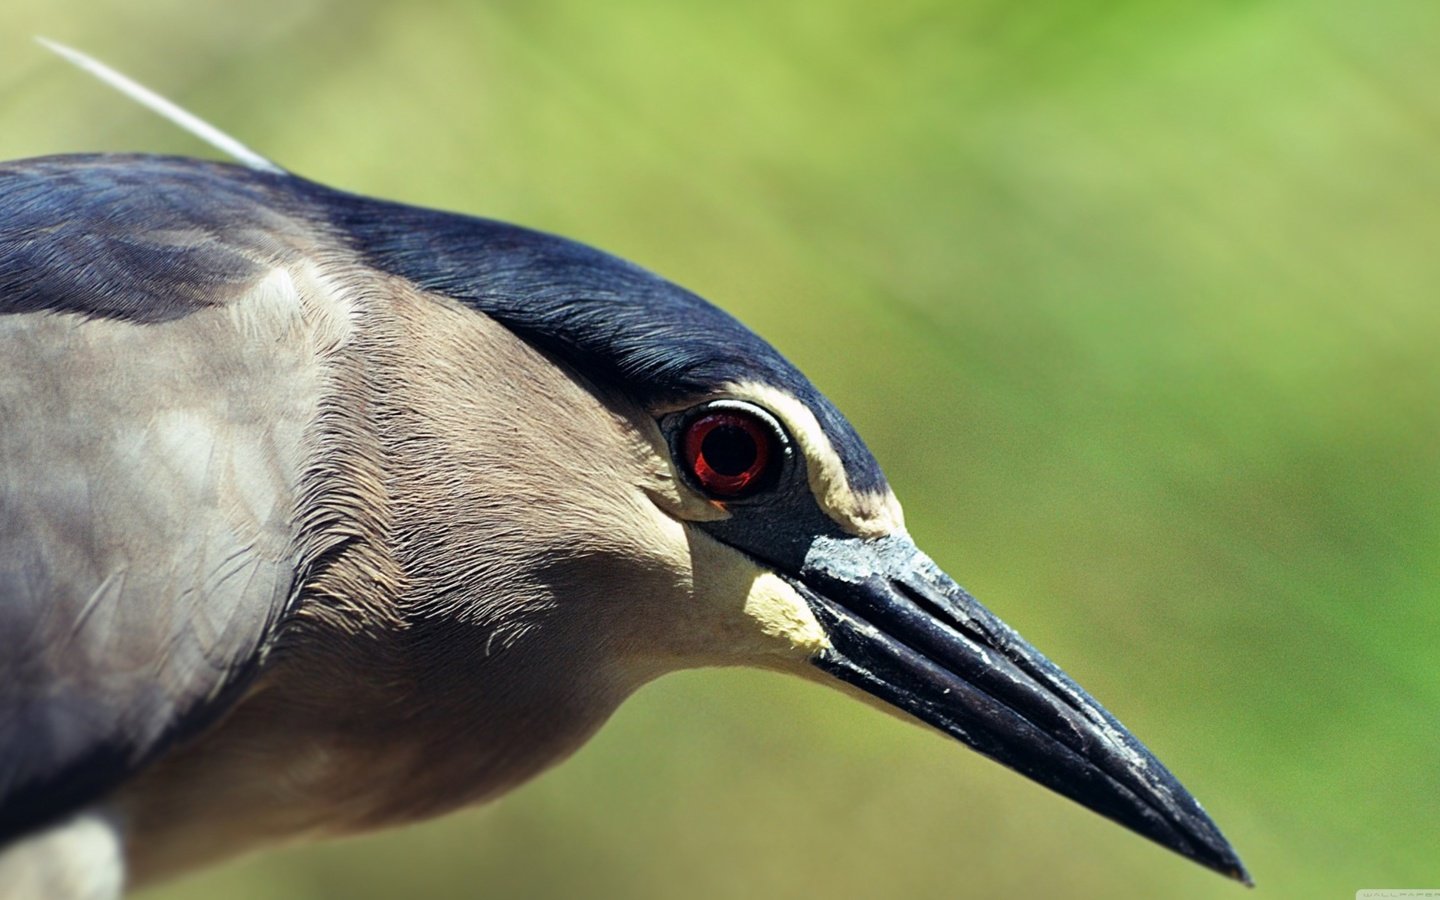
{"type": "Point", "coordinates": [730, 453]}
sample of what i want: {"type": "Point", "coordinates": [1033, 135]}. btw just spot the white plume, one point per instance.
{"type": "Point", "coordinates": [158, 104]}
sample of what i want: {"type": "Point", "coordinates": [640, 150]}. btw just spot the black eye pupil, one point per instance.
{"type": "Point", "coordinates": [729, 449]}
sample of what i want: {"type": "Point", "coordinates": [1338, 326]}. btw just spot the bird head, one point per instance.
{"type": "Point", "coordinates": [776, 537]}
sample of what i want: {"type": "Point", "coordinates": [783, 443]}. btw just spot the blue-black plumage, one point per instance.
{"type": "Point", "coordinates": [205, 230]}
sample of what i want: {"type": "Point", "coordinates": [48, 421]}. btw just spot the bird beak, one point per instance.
{"type": "Point", "coordinates": [902, 630]}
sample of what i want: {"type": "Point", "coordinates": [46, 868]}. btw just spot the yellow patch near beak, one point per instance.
{"type": "Point", "coordinates": [782, 613]}
{"type": "Point", "coordinates": [738, 612]}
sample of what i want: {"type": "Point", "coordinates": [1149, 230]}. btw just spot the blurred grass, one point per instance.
{"type": "Point", "coordinates": [1135, 302]}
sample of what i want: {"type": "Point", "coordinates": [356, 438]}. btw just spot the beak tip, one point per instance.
{"type": "Point", "coordinates": [1236, 870]}
{"type": "Point", "coordinates": [1220, 857]}
{"type": "Point", "coordinates": [1239, 873]}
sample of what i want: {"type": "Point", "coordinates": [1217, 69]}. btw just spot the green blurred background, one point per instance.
{"type": "Point", "coordinates": [1135, 301]}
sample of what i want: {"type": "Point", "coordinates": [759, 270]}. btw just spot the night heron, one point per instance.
{"type": "Point", "coordinates": [321, 513]}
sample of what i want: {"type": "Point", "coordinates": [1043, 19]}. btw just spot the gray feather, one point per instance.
{"type": "Point", "coordinates": [149, 475]}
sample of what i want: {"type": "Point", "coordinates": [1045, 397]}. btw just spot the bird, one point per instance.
{"type": "Point", "coordinates": [321, 514]}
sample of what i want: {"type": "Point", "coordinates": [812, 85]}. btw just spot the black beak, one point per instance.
{"type": "Point", "coordinates": [903, 631]}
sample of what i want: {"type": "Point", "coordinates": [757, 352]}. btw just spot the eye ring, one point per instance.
{"type": "Point", "coordinates": [730, 452]}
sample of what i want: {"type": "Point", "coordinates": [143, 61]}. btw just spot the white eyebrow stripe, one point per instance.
{"type": "Point", "coordinates": [862, 514]}
{"type": "Point", "coordinates": [163, 107]}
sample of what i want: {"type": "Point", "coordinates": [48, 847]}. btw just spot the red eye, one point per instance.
{"type": "Point", "coordinates": [728, 453]}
